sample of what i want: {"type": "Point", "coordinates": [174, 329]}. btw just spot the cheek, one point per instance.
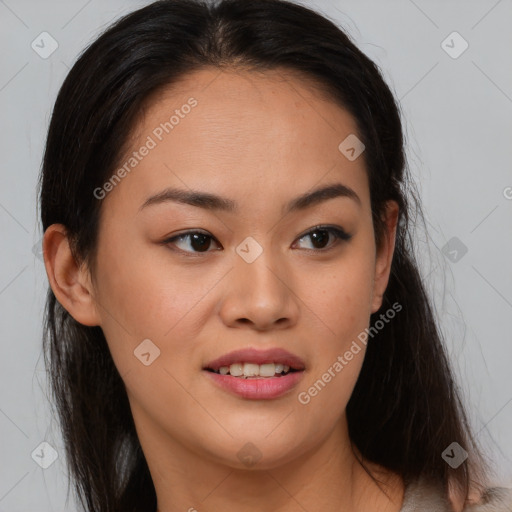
{"type": "Point", "coordinates": [143, 298]}
{"type": "Point", "coordinates": [342, 300]}
{"type": "Point", "coordinates": [327, 392]}
{"type": "Point", "coordinates": [340, 295]}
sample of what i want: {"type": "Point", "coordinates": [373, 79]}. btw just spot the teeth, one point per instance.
{"type": "Point", "coordinates": [266, 370]}
{"type": "Point", "coordinates": [236, 369]}
{"type": "Point", "coordinates": [246, 370]}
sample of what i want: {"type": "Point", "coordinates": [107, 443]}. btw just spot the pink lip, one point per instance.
{"type": "Point", "coordinates": [265, 388]}
{"type": "Point", "coordinates": [252, 355]}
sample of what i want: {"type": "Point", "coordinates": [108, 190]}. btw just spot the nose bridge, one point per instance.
{"type": "Point", "coordinates": [258, 266]}
{"type": "Point", "coordinates": [259, 291]}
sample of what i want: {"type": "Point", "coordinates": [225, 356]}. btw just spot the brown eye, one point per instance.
{"type": "Point", "coordinates": [320, 236]}
{"type": "Point", "coordinates": [197, 240]}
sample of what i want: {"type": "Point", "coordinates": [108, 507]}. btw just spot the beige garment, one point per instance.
{"type": "Point", "coordinates": [424, 497]}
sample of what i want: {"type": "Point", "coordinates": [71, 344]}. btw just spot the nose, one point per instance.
{"type": "Point", "coordinates": [259, 295]}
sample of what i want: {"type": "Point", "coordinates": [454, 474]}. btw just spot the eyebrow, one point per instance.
{"type": "Point", "coordinates": [210, 201]}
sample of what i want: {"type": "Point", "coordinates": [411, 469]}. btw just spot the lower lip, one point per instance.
{"type": "Point", "coordinates": [265, 388]}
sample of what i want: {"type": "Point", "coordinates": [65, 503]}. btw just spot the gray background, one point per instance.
{"type": "Point", "coordinates": [457, 117]}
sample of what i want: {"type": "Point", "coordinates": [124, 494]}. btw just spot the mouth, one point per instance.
{"type": "Point", "coordinates": [255, 374]}
{"type": "Point", "coordinates": [254, 363]}
{"type": "Point", "coordinates": [254, 371]}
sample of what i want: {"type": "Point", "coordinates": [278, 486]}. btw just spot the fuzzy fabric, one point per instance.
{"type": "Point", "coordinates": [497, 499]}
{"type": "Point", "coordinates": [424, 497]}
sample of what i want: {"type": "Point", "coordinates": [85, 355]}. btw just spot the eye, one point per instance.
{"type": "Point", "coordinates": [199, 241]}
{"type": "Point", "coordinates": [319, 235]}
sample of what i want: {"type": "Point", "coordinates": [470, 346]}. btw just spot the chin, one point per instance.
{"type": "Point", "coordinates": [260, 450]}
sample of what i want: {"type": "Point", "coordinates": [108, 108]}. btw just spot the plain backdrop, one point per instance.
{"type": "Point", "coordinates": [455, 93]}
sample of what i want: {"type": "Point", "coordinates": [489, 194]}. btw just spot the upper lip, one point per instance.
{"type": "Point", "coordinates": [256, 356]}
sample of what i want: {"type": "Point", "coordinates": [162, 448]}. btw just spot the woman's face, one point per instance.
{"type": "Point", "coordinates": [263, 277]}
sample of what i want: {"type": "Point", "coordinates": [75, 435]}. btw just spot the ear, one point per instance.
{"type": "Point", "coordinates": [384, 255]}
{"type": "Point", "coordinates": [70, 283]}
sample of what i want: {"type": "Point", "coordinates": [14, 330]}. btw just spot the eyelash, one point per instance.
{"type": "Point", "coordinates": [339, 234]}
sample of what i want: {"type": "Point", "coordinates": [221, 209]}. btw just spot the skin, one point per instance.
{"type": "Point", "coordinates": [260, 140]}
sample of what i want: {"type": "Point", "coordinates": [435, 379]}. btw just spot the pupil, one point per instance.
{"type": "Point", "coordinates": [325, 237]}
{"type": "Point", "coordinates": [203, 238]}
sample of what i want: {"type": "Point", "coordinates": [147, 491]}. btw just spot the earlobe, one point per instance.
{"type": "Point", "coordinates": [384, 256]}
{"type": "Point", "coordinates": [70, 283]}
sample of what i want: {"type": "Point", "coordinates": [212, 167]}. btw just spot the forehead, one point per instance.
{"type": "Point", "coordinates": [241, 131]}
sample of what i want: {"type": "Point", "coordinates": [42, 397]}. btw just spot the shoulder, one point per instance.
{"type": "Point", "coordinates": [494, 499]}
{"type": "Point", "coordinates": [422, 495]}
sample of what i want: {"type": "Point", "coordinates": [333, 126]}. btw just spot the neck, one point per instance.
{"type": "Point", "coordinates": [328, 477]}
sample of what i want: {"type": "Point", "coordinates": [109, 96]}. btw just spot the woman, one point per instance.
{"type": "Point", "coordinates": [235, 319]}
